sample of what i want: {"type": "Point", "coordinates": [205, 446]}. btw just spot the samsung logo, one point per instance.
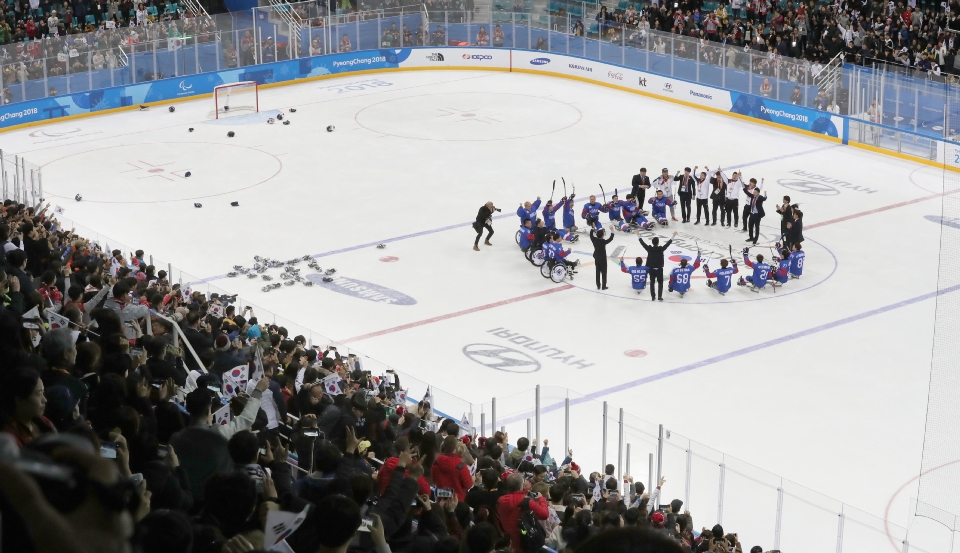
{"type": "Point", "coordinates": [539, 61]}
{"type": "Point", "coordinates": [363, 290]}
{"type": "Point", "coordinates": [701, 95]}
{"type": "Point", "coordinates": [581, 68]}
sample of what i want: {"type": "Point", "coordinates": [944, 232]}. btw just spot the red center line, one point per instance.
{"type": "Point", "coordinates": [569, 286]}
{"type": "Point", "coordinates": [457, 314]}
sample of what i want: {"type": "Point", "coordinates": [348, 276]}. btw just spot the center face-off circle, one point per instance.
{"type": "Point", "coordinates": [155, 172]}
{"type": "Point", "coordinates": [468, 116]}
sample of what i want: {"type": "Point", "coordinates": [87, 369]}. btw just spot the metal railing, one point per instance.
{"type": "Point", "coordinates": [21, 180]}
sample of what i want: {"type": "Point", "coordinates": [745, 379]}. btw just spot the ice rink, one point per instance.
{"type": "Point", "coordinates": [823, 382]}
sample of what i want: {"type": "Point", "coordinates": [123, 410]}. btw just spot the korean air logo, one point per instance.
{"type": "Point", "coordinates": [501, 358]}
{"type": "Point", "coordinates": [477, 57]}
{"type": "Point", "coordinates": [539, 61]}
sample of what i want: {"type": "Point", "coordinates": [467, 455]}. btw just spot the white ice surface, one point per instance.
{"type": "Point", "coordinates": [839, 409]}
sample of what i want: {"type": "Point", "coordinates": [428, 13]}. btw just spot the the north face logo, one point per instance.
{"type": "Point", "coordinates": [436, 56]}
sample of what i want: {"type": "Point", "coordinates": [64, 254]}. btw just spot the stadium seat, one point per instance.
{"type": "Point", "coordinates": [544, 20]}
{"type": "Point", "coordinates": [91, 20]}
{"type": "Point", "coordinates": [152, 10]}
{"type": "Point", "coordinates": [593, 29]}
{"type": "Point", "coordinates": [528, 5]}
{"type": "Point", "coordinates": [172, 8]}
{"type": "Point", "coordinates": [497, 4]}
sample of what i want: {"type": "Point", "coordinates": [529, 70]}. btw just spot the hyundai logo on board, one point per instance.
{"type": "Point", "coordinates": [539, 61]}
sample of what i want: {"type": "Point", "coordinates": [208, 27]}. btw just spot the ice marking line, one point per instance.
{"type": "Point", "coordinates": [457, 314]}
{"type": "Point", "coordinates": [880, 209]}
{"type": "Point", "coordinates": [785, 156]}
{"type": "Point", "coordinates": [736, 353]}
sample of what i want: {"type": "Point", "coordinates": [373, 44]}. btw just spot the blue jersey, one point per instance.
{"type": "Point", "coordinates": [724, 276]}
{"type": "Point", "coordinates": [568, 217]}
{"type": "Point", "coordinates": [761, 271]}
{"type": "Point", "coordinates": [638, 275]}
{"type": "Point", "coordinates": [591, 210]}
{"type": "Point", "coordinates": [680, 276]}
{"type": "Point", "coordinates": [659, 207]}
{"type": "Point", "coordinates": [530, 214]}
{"type": "Point", "coordinates": [549, 216]}
{"type": "Point", "coordinates": [796, 262]}
{"type": "Point", "coordinates": [526, 236]}
{"type": "Point", "coordinates": [630, 210]}
{"type": "Point", "coordinates": [613, 208]}
{"type": "Point", "coordinates": [783, 269]}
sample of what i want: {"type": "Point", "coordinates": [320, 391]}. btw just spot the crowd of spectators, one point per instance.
{"type": "Point", "coordinates": [921, 36]}
{"type": "Point", "coordinates": [135, 413]}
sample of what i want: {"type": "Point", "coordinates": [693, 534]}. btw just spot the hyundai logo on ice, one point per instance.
{"type": "Point", "coordinates": [363, 290]}
{"type": "Point", "coordinates": [539, 61]}
{"type": "Point", "coordinates": [808, 187]}
{"type": "Point", "coordinates": [501, 358]}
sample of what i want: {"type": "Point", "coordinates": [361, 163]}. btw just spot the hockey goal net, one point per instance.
{"type": "Point", "coordinates": [235, 99]}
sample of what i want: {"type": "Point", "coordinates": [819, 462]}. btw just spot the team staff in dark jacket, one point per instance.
{"type": "Point", "coordinates": [484, 221]}
{"type": "Point", "coordinates": [600, 255]}
{"type": "Point", "coordinates": [640, 184]}
{"type": "Point", "coordinates": [795, 229]}
{"type": "Point", "coordinates": [786, 216]}
{"type": "Point", "coordinates": [655, 263]}
{"type": "Point", "coordinates": [685, 190]}
{"type": "Point", "coordinates": [756, 213]}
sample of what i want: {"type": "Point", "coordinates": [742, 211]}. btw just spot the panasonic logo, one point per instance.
{"type": "Point", "coordinates": [539, 61]}
{"type": "Point", "coordinates": [701, 95]}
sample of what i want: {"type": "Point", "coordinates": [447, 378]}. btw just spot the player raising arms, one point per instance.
{"type": "Point", "coordinates": [659, 209]}
{"type": "Point", "coordinates": [638, 274]}
{"type": "Point", "coordinates": [614, 208]}
{"type": "Point", "coordinates": [680, 276]}
{"type": "Point", "coordinates": [550, 221]}
{"type": "Point", "coordinates": [761, 271]}
{"type": "Point", "coordinates": [569, 221]}
{"type": "Point", "coordinates": [528, 211]}
{"type": "Point", "coordinates": [591, 212]}
{"type": "Point", "coordinates": [632, 216]}
{"type": "Point", "coordinates": [724, 276]}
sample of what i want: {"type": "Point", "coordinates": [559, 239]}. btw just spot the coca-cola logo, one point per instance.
{"type": "Point", "coordinates": [617, 76]}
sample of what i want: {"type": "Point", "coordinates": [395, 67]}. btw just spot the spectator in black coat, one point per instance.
{"type": "Point", "coordinates": [484, 221]}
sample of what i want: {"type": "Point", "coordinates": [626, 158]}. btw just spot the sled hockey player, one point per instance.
{"type": "Point", "coordinates": [761, 272]}
{"type": "Point", "coordinates": [528, 211]}
{"type": "Point", "coordinates": [632, 216]}
{"type": "Point", "coordinates": [526, 235]}
{"type": "Point", "coordinates": [724, 276]}
{"type": "Point", "coordinates": [550, 222]}
{"type": "Point", "coordinates": [569, 221]}
{"type": "Point", "coordinates": [614, 210]}
{"type": "Point", "coordinates": [782, 274]}
{"type": "Point", "coordinates": [591, 212]}
{"type": "Point", "coordinates": [638, 274]}
{"type": "Point", "coordinates": [796, 261]}
{"type": "Point", "coordinates": [680, 276]}
{"type": "Point", "coordinates": [659, 209]}
{"type": "Point", "coordinates": [553, 252]}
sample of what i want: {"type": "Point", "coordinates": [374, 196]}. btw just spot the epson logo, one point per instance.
{"type": "Point", "coordinates": [363, 290]}
{"type": "Point", "coordinates": [581, 68]}
{"type": "Point", "coordinates": [617, 76]}
{"type": "Point", "coordinates": [539, 61]}
{"type": "Point", "coordinates": [701, 95]}
{"type": "Point", "coordinates": [477, 57]}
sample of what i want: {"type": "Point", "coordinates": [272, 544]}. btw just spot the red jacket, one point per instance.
{"type": "Point", "coordinates": [508, 510]}
{"type": "Point", "coordinates": [386, 474]}
{"type": "Point", "coordinates": [449, 471]}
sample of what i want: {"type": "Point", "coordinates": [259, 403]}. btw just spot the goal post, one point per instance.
{"type": "Point", "coordinates": [235, 98]}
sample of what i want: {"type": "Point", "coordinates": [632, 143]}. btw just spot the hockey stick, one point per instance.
{"type": "Point", "coordinates": [553, 189]}
{"type": "Point", "coordinates": [565, 187]}
{"type": "Point", "coordinates": [604, 194]}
